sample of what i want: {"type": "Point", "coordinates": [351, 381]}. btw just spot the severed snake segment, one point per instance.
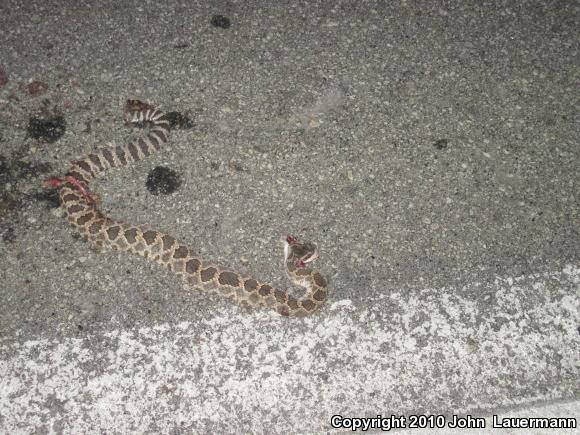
{"type": "Point", "coordinates": [81, 211]}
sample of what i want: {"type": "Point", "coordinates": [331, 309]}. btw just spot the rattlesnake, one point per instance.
{"type": "Point", "coordinates": [81, 211]}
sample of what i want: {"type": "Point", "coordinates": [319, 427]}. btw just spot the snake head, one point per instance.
{"type": "Point", "coordinates": [299, 253]}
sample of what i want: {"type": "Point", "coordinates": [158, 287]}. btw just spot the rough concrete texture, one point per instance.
{"type": "Point", "coordinates": [430, 148]}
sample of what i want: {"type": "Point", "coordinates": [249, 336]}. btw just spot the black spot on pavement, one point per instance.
{"type": "Point", "coordinates": [50, 197]}
{"type": "Point", "coordinates": [9, 204]}
{"type": "Point", "coordinates": [28, 169]}
{"type": "Point", "coordinates": [3, 166]}
{"type": "Point", "coordinates": [8, 235]}
{"type": "Point", "coordinates": [49, 130]}
{"type": "Point", "coordinates": [220, 21]}
{"type": "Point", "coordinates": [441, 144]}
{"type": "Point", "coordinates": [176, 119]}
{"type": "Point", "coordinates": [162, 180]}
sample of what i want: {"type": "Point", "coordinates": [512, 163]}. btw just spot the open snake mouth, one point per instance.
{"type": "Point", "coordinates": [303, 253]}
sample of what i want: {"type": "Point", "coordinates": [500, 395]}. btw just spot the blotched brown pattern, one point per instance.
{"type": "Point", "coordinates": [83, 215]}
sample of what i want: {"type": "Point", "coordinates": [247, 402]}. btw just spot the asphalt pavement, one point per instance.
{"type": "Point", "coordinates": [430, 149]}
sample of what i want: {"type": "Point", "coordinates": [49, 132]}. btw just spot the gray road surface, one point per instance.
{"type": "Point", "coordinates": [430, 148]}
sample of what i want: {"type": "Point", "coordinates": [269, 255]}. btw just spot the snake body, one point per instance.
{"type": "Point", "coordinates": [103, 231]}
